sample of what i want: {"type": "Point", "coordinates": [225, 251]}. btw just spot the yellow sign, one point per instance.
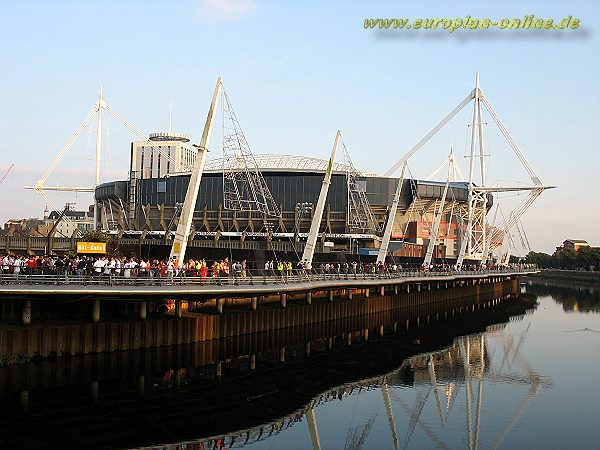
{"type": "Point", "coordinates": [177, 248]}
{"type": "Point", "coordinates": [91, 247]}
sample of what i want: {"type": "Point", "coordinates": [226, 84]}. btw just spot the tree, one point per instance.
{"type": "Point", "coordinates": [586, 258]}
{"type": "Point", "coordinates": [566, 259]}
{"type": "Point", "coordinates": [542, 260]}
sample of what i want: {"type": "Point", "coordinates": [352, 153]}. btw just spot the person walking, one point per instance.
{"type": "Point", "coordinates": [17, 264]}
{"type": "Point", "coordinates": [170, 268]}
{"type": "Point", "coordinates": [6, 264]}
{"type": "Point", "coordinates": [99, 266]}
{"type": "Point", "coordinates": [127, 269]}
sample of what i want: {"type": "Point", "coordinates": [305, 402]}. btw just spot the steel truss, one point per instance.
{"type": "Point", "coordinates": [40, 186]}
{"type": "Point", "coordinates": [244, 188]}
{"type": "Point", "coordinates": [360, 215]}
{"type": "Point", "coordinates": [475, 242]}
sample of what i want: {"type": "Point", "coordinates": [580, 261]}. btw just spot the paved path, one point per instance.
{"type": "Point", "coordinates": [179, 288]}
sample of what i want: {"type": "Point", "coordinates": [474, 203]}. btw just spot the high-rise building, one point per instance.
{"type": "Point", "coordinates": [164, 153]}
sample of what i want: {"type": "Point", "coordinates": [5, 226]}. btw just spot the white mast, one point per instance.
{"type": "Point", "coordinates": [438, 219]}
{"type": "Point", "coordinates": [99, 107]}
{"type": "Point", "coordinates": [40, 186]}
{"type": "Point", "coordinates": [474, 240]}
{"type": "Point", "coordinates": [472, 168]}
{"type": "Point", "coordinates": [189, 205]}
{"type": "Point", "coordinates": [391, 217]}
{"type": "Point", "coordinates": [170, 114]}
{"type": "Point", "coordinates": [484, 246]}
{"type": "Point", "coordinates": [309, 249]}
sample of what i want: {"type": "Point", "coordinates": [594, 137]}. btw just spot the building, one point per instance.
{"type": "Point", "coordinates": [78, 222]}
{"type": "Point", "coordinates": [572, 244]}
{"type": "Point", "coordinates": [21, 227]}
{"type": "Point", "coordinates": [147, 209]}
{"type": "Point", "coordinates": [81, 221]}
{"type": "Point", "coordinates": [163, 154]}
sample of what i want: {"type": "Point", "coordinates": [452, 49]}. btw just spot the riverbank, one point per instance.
{"type": "Point", "coordinates": [57, 338]}
{"type": "Point", "coordinates": [576, 277]}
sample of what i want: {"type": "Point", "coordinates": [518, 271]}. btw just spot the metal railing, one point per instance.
{"type": "Point", "coordinates": [252, 277]}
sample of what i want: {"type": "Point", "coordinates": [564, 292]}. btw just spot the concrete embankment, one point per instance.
{"type": "Point", "coordinates": [56, 339]}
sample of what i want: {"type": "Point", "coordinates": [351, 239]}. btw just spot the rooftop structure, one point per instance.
{"type": "Point", "coordinates": [284, 163]}
{"type": "Point", "coordinates": [169, 136]}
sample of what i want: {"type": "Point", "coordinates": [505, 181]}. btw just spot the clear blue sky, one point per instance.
{"type": "Point", "coordinates": [296, 72]}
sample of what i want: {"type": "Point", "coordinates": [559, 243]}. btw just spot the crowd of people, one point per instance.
{"type": "Point", "coordinates": [83, 265]}
{"type": "Point", "coordinates": [115, 266]}
{"type": "Point", "coordinates": [359, 267]}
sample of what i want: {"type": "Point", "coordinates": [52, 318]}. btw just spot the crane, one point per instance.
{"type": "Point", "coordinates": [6, 174]}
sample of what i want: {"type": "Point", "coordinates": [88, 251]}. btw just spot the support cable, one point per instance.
{"type": "Point", "coordinates": [432, 133]}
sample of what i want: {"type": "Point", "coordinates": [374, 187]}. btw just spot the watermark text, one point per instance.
{"type": "Point", "coordinates": [452, 25]}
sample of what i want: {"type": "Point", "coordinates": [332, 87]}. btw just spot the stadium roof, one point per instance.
{"type": "Point", "coordinates": [285, 163]}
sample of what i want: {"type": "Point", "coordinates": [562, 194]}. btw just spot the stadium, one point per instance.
{"type": "Point", "coordinates": [264, 207]}
{"type": "Point", "coordinates": [146, 208]}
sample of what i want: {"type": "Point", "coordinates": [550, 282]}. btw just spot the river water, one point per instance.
{"type": "Point", "coordinates": [539, 389]}
{"type": "Point", "coordinates": [527, 381]}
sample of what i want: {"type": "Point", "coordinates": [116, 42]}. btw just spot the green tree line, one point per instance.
{"type": "Point", "coordinates": [586, 258]}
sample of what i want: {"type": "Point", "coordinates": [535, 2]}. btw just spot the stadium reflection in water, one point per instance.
{"type": "Point", "coordinates": [527, 381]}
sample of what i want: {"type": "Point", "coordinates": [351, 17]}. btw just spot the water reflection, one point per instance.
{"type": "Point", "coordinates": [465, 364]}
{"type": "Point", "coordinates": [523, 384]}
{"type": "Point", "coordinates": [443, 373]}
{"type": "Point", "coordinates": [516, 377]}
{"type": "Point", "coordinates": [575, 298]}
{"type": "Point", "coordinates": [262, 385]}
{"type": "Point", "coordinates": [438, 378]}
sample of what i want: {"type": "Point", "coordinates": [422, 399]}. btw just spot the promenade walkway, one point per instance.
{"type": "Point", "coordinates": [255, 283]}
